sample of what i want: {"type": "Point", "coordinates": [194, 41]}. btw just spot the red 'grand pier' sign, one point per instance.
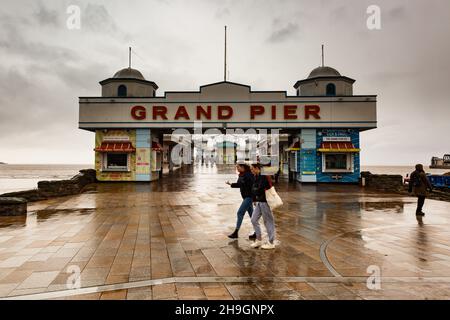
{"type": "Point", "coordinates": [226, 112]}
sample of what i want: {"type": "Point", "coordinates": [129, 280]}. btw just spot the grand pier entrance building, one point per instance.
{"type": "Point", "coordinates": [322, 121]}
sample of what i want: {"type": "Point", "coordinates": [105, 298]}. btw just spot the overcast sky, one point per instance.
{"type": "Point", "coordinates": [45, 66]}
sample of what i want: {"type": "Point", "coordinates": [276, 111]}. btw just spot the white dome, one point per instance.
{"type": "Point", "coordinates": [129, 73]}
{"type": "Point", "coordinates": [324, 72]}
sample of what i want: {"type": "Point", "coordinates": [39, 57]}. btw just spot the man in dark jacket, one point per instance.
{"type": "Point", "coordinates": [419, 185]}
{"type": "Point", "coordinates": [244, 183]}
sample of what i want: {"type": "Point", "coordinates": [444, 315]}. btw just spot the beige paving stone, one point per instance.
{"type": "Point", "coordinates": [16, 277]}
{"type": "Point", "coordinates": [144, 293]}
{"type": "Point", "coordinates": [15, 261]}
{"type": "Point", "coordinates": [38, 280]}
{"type": "Point", "coordinates": [114, 295]}
{"type": "Point", "coordinates": [164, 291]}
{"type": "Point", "coordinates": [6, 289]}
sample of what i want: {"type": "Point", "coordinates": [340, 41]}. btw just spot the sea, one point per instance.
{"type": "Point", "coordinates": [18, 177]}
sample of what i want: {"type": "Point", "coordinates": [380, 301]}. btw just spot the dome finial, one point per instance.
{"type": "Point", "coordinates": [129, 57]}
{"type": "Point", "coordinates": [322, 57]}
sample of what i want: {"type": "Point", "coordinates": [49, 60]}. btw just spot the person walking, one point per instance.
{"type": "Point", "coordinates": [244, 183]}
{"type": "Point", "coordinates": [419, 185]}
{"type": "Point", "coordinates": [262, 209]}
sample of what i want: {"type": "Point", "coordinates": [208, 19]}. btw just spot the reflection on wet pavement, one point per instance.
{"type": "Point", "coordinates": [167, 240]}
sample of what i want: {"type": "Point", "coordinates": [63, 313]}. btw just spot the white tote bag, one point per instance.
{"type": "Point", "coordinates": [273, 199]}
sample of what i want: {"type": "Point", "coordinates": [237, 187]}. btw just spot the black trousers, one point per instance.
{"type": "Point", "coordinates": [420, 202]}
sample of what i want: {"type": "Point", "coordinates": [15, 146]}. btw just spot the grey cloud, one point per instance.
{"type": "Point", "coordinates": [96, 18]}
{"type": "Point", "coordinates": [283, 33]}
{"type": "Point", "coordinates": [46, 16]}
{"type": "Point", "coordinates": [339, 14]}
{"type": "Point", "coordinates": [14, 43]}
{"type": "Point", "coordinates": [84, 77]}
{"type": "Point", "coordinates": [7, 19]}
{"type": "Point", "coordinates": [17, 94]}
{"type": "Point", "coordinates": [222, 12]}
{"type": "Point", "coordinates": [397, 12]}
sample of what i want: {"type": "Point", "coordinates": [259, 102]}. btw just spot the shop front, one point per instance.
{"type": "Point", "coordinates": [329, 155]}
{"type": "Point", "coordinates": [126, 155]}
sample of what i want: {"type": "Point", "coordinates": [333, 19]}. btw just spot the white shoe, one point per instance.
{"type": "Point", "coordinates": [256, 244]}
{"type": "Point", "coordinates": [268, 246]}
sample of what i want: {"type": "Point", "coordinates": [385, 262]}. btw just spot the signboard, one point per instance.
{"type": "Point", "coordinates": [143, 161]}
{"type": "Point", "coordinates": [337, 139]}
{"type": "Point", "coordinates": [227, 105]}
{"type": "Point", "coordinates": [109, 137]}
{"type": "Point", "coordinates": [225, 112]}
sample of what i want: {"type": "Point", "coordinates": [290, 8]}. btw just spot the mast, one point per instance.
{"type": "Point", "coordinates": [225, 58]}
{"type": "Point", "coordinates": [322, 57]}
{"type": "Point", "coordinates": [129, 57]}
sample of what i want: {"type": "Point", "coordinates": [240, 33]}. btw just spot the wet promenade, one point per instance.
{"type": "Point", "coordinates": [167, 240]}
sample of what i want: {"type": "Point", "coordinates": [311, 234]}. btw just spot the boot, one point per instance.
{"type": "Point", "coordinates": [234, 235]}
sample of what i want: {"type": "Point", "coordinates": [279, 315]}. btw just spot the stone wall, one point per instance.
{"type": "Point", "coordinates": [12, 206]}
{"type": "Point", "coordinates": [383, 182]}
{"type": "Point", "coordinates": [56, 188]}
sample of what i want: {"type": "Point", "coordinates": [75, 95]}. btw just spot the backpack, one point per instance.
{"type": "Point", "coordinates": [416, 182]}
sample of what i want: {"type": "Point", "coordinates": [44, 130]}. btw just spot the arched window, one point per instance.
{"type": "Point", "coordinates": [331, 89]}
{"type": "Point", "coordinates": [122, 91]}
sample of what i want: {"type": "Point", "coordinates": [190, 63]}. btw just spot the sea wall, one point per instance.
{"type": "Point", "coordinates": [13, 206]}
{"type": "Point", "coordinates": [394, 184]}
{"type": "Point", "coordinates": [382, 182]}
{"type": "Point", "coordinates": [56, 188]}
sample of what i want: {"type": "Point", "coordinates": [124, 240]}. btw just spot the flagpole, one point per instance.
{"type": "Point", "coordinates": [225, 58]}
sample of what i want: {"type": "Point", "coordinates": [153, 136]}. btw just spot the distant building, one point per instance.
{"type": "Point", "coordinates": [440, 163]}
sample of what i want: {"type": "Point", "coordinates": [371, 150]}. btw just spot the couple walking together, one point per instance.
{"type": "Point", "coordinates": [253, 186]}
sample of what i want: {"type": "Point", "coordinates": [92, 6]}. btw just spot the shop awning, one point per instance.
{"type": "Point", "coordinates": [294, 147]}
{"type": "Point", "coordinates": [338, 147]}
{"type": "Point", "coordinates": [117, 146]}
{"type": "Point", "coordinates": [156, 146]}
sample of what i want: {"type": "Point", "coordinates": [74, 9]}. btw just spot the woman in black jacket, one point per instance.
{"type": "Point", "coordinates": [261, 184]}
{"type": "Point", "coordinates": [244, 183]}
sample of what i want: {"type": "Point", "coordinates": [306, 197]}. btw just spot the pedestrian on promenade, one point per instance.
{"type": "Point", "coordinates": [262, 209]}
{"type": "Point", "coordinates": [277, 174]}
{"type": "Point", "coordinates": [419, 185]}
{"type": "Point", "coordinates": [244, 183]}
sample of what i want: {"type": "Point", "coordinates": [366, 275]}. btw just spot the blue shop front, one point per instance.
{"type": "Point", "coordinates": [328, 155]}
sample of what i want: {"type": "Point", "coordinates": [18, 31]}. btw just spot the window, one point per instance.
{"type": "Point", "coordinates": [115, 162]}
{"type": "Point", "coordinates": [331, 89]}
{"type": "Point", "coordinates": [337, 162]}
{"type": "Point", "coordinates": [122, 91]}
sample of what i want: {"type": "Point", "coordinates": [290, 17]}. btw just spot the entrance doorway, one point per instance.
{"type": "Point", "coordinates": [220, 151]}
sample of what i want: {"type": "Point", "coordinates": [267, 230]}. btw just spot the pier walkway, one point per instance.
{"type": "Point", "coordinates": [167, 240]}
